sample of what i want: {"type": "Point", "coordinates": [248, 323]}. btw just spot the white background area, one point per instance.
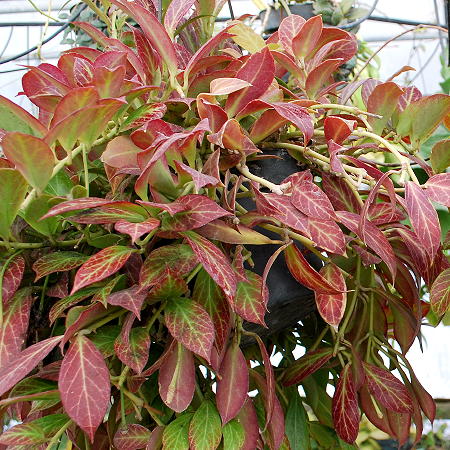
{"type": "Point", "coordinates": [432, 367]}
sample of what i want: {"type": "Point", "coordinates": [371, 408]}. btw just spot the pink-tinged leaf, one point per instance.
{"type": "Point", "coordinates": [132, 345]}
{"type": "Point", "coordinates": [306, 365]}
{"type": "Point", "coordinates": [25, 362]}
{"type": "Point", "coordinates": [101, 265]}
{"type": "Point", "coordinates": [61, 288]}
{"type": "Point", "coordinates": [179, 258]}
{"type": "Point", "coordinates": [131, 299]}
{"type": "Point", "coordinates": [387, 389]}
{"type": "Point", "coordinates": [121, 153]}
{"type": "Point", "coordinates": [367, 406]}
{"type": "Point", "coordinates": [304, 42]}
{"type": "Point", "coordinates": [382, 213]}
{"type": "Point", "coordinates": [426, 401]}
{"type": "Point", "coordinates": [411, 94]}
{"type": "Point", "coordinates": [247, 417]}
{"type": "Point", "coordinates": [383, 101]}
{"type": "Point", "coordinates": [424, 218]}
{"type": "Point", "coordinates": [340, 194]}
{"type": "Point", "coordinates": [60, 306]}
{"type": "Point", "coordinates": [84, 385]}
{"type": "Point", "coordinates": [205, 429]}
{"type": "Point", "coordinates": [372, 237]}
{"type": "Point", "coordinates": [332, 306]}
{"type": "Point", "coordinates": [153, 30]}
{"type": "Point", "coordinates": [214, 113]}
{"type": "Point", "coordinates": [319, 76]}
{"type": "Point", "coordinates": [32, 157]}
{"type": "Point", "coordinates": [312, 201]}
{"type": "Point", "coordinates": [176, 378]}
{"type": "Point", "coordinates": [189, 323]}
{"type": "Point", "coordinates": [198, 210]}
{"type": "Point", "coordinates": [345, 407]}
{"type": "Point", "coordinates": [131, 437]}
{"type": "Point", "coordinates": [225, 86]}
{"type": "Point", "coordinates": [112, 213]}
{"type": "Point", "coordinates": [57, 262]}
{"type": "Point", "coordinates": [136, 230]}
{"type": "Point", "coordinates": [251, 299]}
{"type": "Point", "coordinates": [440, 293]}
{"type": "Point", "coordinates": [214, 262]}
{"type": "Point", "coordinates": [289, 28]}
{"type": "Point", "coordinates": [20, 119]}
{"type": "Point", "coordinates": [75, 205]}
{"type": "Point", "coordinates": [81, 317]}
{"type": "Point", "coordinates": [305, 274]}
{"type": "Point", "coordinates": [338, 129]}
{"type": "Point", "coordinates": [440, 156]}
{"type": "Point", "coordinates": [438, 188]}
{"type": "Point", "coordinates": [74, 101]}
{"type": "Point", "coordinates": [155, 441]}
{"type": "Point", "coordinates": [269, 122]}
{"type": "Point", "coordinates": [232, 388]}
{"type": "Point", "coordinates": [209, 295]}
{"type": "Point", "coordinates": [259, 71]}
{"type": "Point", "coordinates": [12, 277]}
{"type": "Point", "coordinates": [109, 82]}
{"type": "Point", "coordinates": [200, 180]}
{"type": "Point", "coordinates": [13, 332]}
{"type": "Point", "coordinates": [400, 424]}
{"type": "Point", "coordinates": [327, 235]}
{"type": "Point", "coordinates": [175, 13]}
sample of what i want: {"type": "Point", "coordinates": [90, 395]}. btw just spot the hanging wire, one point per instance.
{"type": "Point", "coordinates": [7, 42]}
{"type": "Point", "coordinates": [361, 19]}
{"type": "Point", "coordinates": [52, 36]}
{"type": "Point", "coordinates": [230, 7]}
{"type": "Point", "coordinates": [436, 13]}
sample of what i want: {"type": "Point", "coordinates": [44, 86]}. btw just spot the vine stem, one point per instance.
{"type": "Point", "coordinates": [66, 161]}
{"type": "Point", "coordinates": [346, 108]}
{"type": "Point", "coordinates": [32, 245]}
{"type": "Point", "coordinates": [275, 188]}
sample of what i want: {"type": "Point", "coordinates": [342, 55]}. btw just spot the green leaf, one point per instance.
{"type": "Point", "coordinates": [35, 432]}
{"type": "Point", "coordinates": [233, 435]}
{"type": "Point", "coordinates": [440, 156]}
{"type": "Point", "coordinates": [35, 210]}
{"type": "Point", "coordinates": [297, 423]}
{"type": "Point", "coordinates": [324, 436]}
{"type": "Point", "coordinates": [104, 339]}
{"type": "Point", "coordinates": [205, 430]}
{"type": "Point", "coordinates": [60, 185]}
{"type": "Point", "coordinates": [13, 189]}
{"type": "Point", "coordinates": [175, 435]}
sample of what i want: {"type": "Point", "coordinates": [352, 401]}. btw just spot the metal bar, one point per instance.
{"type": "Point", "coordinates": [30, 24]}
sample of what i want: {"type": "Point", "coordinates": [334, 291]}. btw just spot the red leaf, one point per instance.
{"type": "Point", "coordinates": [84, 385]}
{"type": "Point", "coordinates": [25, 362]}
{"type": "Point", "coordinates": [424, 218]}
{"type": "Point", "coordinates": [61, 288]}
{"type": "Point", "coordinates": [13, 332]}
{"type": "Point", "coordinates": [382, 213]}
{"type": "Point", "coordinates": [305, 274]}
{"type": "Point", "coordinates": [338, 129]}
{"type": "Point", "coordinates": [101, 265]}
{"type": "Point", "coordinates": [111, 213]}
{"type": "Point", "coordinates": [175, 13]}
{"type": "Point", "coordinates": [400, 425]}
{"type": "Point", "coordinates": [440, 293]}
{"type": "Point", "coordinates": [345, 407]}
{"type": "Point", "coordinates": [225, 86]}
{"type": "Point", "coordinates": [131, 437]}
{"type": "Point", "coordinates": [312, 201]}
{"type": "Point", "coordinates": [320, 75]}
{"type": "Point", "coordinates": [179, 258]}
{"type": "Point", "coordinates": [367, 405]}
{"type": "Point", "coordinates": [32, 157]}
{"type": "Point", "coordinates": [306, 365]}
{"type": "Point", "coordinates": [258, 70]}
{"type": "Point", "coordinates": [155, 441]}
{"type": "Point", "coordinates": [132, 299]}
{"type": "Point", "coordinates": [438, 188]}
{"type": "Point", "coordinates": [425, 400]}
{"type": "Point", "coordinates": [200, 180]}
{"type": "Point", "coordinates": [214, 113]}
{"type": "Point", "coordinates": [340, 194]}
{"type": "Point", "coordinates": [75, 205]}
{"type": "Point", "coordinates": [232, 388]}
{"type": "Point", "coordinates": [190, 324]}
{"type": "Point", "coordinates": [306, 39]}
{"type": "Point", "coordinates": [12, 277]}
{"type": "Point", "coordinates": [57, 262]}
{"type": "Point", "coordinates": [247, 417]}
{"type": "Point", "coordinates": [332, 306]}
{"type": "Point", "coordinates": [387, 389]}
{"type": "Point", "coordinates": [327, 235]}
{"type": "Point", "coordinates": [214, 261]}
{"type": "Point", "coordinates": [176, 379]}
{"type": "Point", "coordinates": [372, 237]}
{"type": "Point", "coordinates": [121, 153]}
{"type": "Point", "coordinates": [251, 299]}
{"type": "Point", "coordinates": [136, 230]}
{"type": "Point", "coordinates": [198, 210]}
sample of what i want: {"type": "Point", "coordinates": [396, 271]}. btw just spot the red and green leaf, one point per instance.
{"type": "Point", "coordinates": [205, 429]}
{"type": "Point", "coordinates": [438, 188]}
{"type": "Point", "coordinates": [12, 277]}
{"type": "Point", "coordinates": [57, 262]}
{"type": "Point", "coordinates": [304, 42]}
{"type": "Point", "coordinates": [440, 156]}
{"type": "Point", "coordinates": [131, 437]}
{"type": "Point", "coordinates": [312, 201]}
{"type": "Point", "coordinates": [101, 265]}
{"type": "Point", "coordinates": [440, 293]}
{"type": "Point", "coordinates": [84, 385]}
{"type": "Point", "coordinates": [175, 435]}
{"type": "Point", "coordinates": [190, 324]}
{"type": "Point", "coordinates": [131, 299]}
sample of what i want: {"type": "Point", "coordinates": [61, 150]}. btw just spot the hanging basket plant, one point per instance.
{"type": "Point", "coordinates": [131, 211]}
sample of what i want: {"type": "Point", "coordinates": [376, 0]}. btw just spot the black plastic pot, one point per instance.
{"type": "Point", "coordinates": [289, 301]}
{"type": "Point", "coordinates": [272, 22]}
